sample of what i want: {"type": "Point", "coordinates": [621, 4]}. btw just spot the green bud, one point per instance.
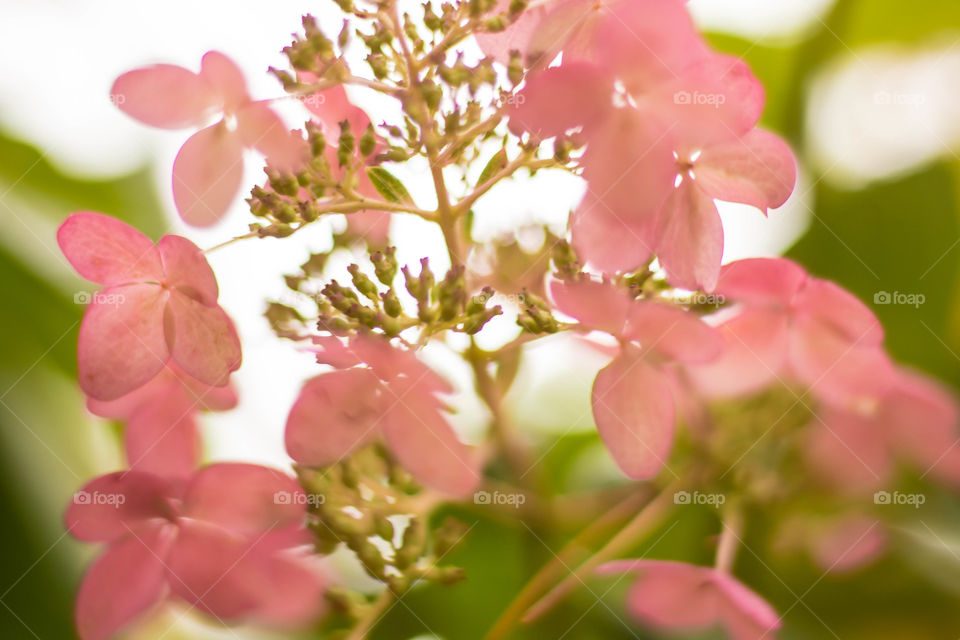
{"type": "Point", "coordinates": [344, 38]}
{"type": "Point", "coordinates": [385, 265]}
{"type": "Point", "coordinates": [432, 94]}
{"type": "Point", "coordinates": [363, 284]}
{"type": "Point", "coordinates": [495, 24]}
{"type": "Point", "coordinates": [478, 302]}
{"type": "Point", "coordinates": [413, 544]}
{"type": "Point", "coordinates": [368, 141]}
{"type": "Point", "coordinates": [346, 144]}
{"type": "Point", "coordinates": [515, 68]}
{"type": "Point", "coordinates": [391, 304]}
{"type": "Point", "coordinates": [473, 324]}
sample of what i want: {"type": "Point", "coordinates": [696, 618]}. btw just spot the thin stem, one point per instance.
{"type": "Point", "coordinates": [252, 234]}
{"type": "Point", "coordinates": [729, 540]}
{"type": "Point", "coordinates": [376, 611]}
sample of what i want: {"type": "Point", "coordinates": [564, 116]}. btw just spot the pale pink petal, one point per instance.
{"type": "Point", "coordinates": [246, 499]}
{"type": "Point", "coordinates": [331, 107]}
{"type": "Point", "coordinates": [669, 595]}
{"type": "Point", "coordinates": [123, 584]}
{"type": "Point", "coordinates": [607, 242]}
{"type": "Point", "coordinates": [634, 412]}
{"type": "Point", "coordinates": [373, 227]}
{"type": "Point", "coordinates": [920, 418]}
{"type": "Point", "coordinates": [561, 98]}
{"type": "Point", "coordinates": [207, 175]}
{"type": "Point", "coordinates": [187, 269]}
{"type": "Point", "coordinates": [754, 350]}
{"type": "Point", "coordinates": [333, 351]}
{"type": "Point", "coordinates": [171, 385]}
{"type": "Point", "coordinates": [391, 363]}
{"type": "Point", "coordinates": [202, 340]}
{"type": "Point", "coordinates": [165, 95]}
{"type": "Point", "coordinates": [288, 591]}
{"type": "Point", "coordinates": [568, 25]}
{"type": "Point", "coordinates": [335, 413]}
{"type": "Point", "coordinates": [121, 344]}
{"type": "Point", "coordinates": [690, 238]}
{"type": "Point", "coordinates": [836, 307]}
{"type": "Point", "coordinates": [745, 614]}
{"type": "Point", "coordinates": [847, 452]}
{"type": "Point", "coordinates": [262, 129]}
{"type": "Point", "coordinates": [226, 78]}
{"type": "Point", "coordinates": [757, 169]}
{"type": "Point", "coordinates": [109, 506]}
{"type": "Point", "coordinates": [162, 438]}
{"type": "Point", "coordinates": [515, 37]}
{"type": "Point", "coordinates": [847, 544]}
{"type": "Point", "coordinates": [672, 332]}
{"type": "Point", "coordinates": [597, 305]}
{"type": "Point", "coordinates": [425, 444]}
{"type": "Point", "coordinates": [761, 281]}
{"type": "Point", "coordinates": [106, 251]}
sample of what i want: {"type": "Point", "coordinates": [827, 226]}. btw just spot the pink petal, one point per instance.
{"type": "Point", "coordinates": [109, 506]}
{"type": "Point", "coordinates": [920, 417]}
{"type": "Point", "coordinates": [331, 350]}
{"type": "Point", "coordinates": [745, 614]}
{"type": "Point", "coordinates": [262, 129]}
{"type": "Point", "coordinates": [187, 269]}
{"type": "Point", "coordinates": [202, 340]}
{"type": "Point", "coordinates": [331, 107]}
{"type": "Point", "coordinates": [606, 241]}
{"type": "Point", "coordinates": [582, 89]}
{"type": "Point", "coordinates": [106, 251]}
{"type": "Point", "coordinates": [690, 238]}
{"type": "Point", "coordinates": [162, 438]}
{"type": "Point", "coordinates": [847, 452]}
{"type": "Point", "coordinates": [245, 499]}
{"type": "Point", "coordinates": [568, 25]}
{"type": "Point", "coordinates": [124, 583]}
{"type": "Point", "coordinates": [761, 281]}
{"type": "Point", "coordinates": [634, 412]}
{"type": "Point", "coordinates": [597, 305]}
{"type": "Point", "coordinates": [672, 332]}
{"type": "Point", "coordinates": [753, 354]}
{"type": "Point", "coordinates": [391, 363]}
{"type": "Point", "coordinates": [335, 414]}
{"type": "Point", "coordinates": [515, 37]}
{"type": "Point", "coordinates": [207, 175]}
{"type": "Point", "coordinates": [171, 385]}
{"type": "Point", "coordinates": [848, 544]}
{"type": "Point", "coordinates": [757, 169]}
{"type": "Point", "coordinates": [121, 344]}
{"type": "Point", "coordinates": [226, 78]}
{"type": "Point", "coordinates": [373, 227]}
{"type": "Point", "coordinates": [831, 305]}
{"type": "Point", "coordinates": [288, 592]}
{"type": "Point", "coordinates": [425, 444]}
{"type": "Point", "coordinates": [629, 164]}
{"type": "Point", "coordinates": [164, 95]}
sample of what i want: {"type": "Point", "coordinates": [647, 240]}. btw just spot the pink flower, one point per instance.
{"type": "Point", "coordinates": [788, 324]}
{"type": "Point", "coordinates": [158, 305]}
{"type": "Point", "coordinates": [379, 390]}
{"type": "Point", "coordinates": [856, 448]}
{"type": "Point", "coordinates": [223, 541]}
{"type": "Point", "coordinates": [632, 398]}
{"type": "Point", "coordinates": [208, 171]}
{"type": "Point", "coordinates": [676, 596]}
{"type": "Point", "coordinates": [161, 434]}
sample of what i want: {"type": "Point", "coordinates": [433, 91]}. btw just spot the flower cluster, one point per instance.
{"type": "Point", "coordinates": [625, 94]}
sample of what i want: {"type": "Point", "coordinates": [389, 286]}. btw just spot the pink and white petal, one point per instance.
{"type": "Point", "coordinates": [607, 242]}
{"type": "Point", "coordinates": [753, 354]}
{"type": "Point", "coordinates": [203, 341]}
{"type": "Point", "coordinates": [246, 499]}
{"type": "Point", "coordinates": [558, 99]}
{"type": "Point", "coordinates": [761, 281]}
{"type": "Point", "coordinates": [162, 438]}
{"type": "Point", "coordinates": [848, 544]}
{"type": "Point", "coordinates": [690, 238]}
{"type": "Point", "coordinates": [848, 452]}
{"type": "Point", "coordinates": [123, 584]}
{"type": "Point", "coordinates": [165, 96]}
{"type": "Point", "coordinates": [207, 174]}
{"type": "Point", "coordinates": [108, 507]}
{"type": "Point", "coordinates": [423, 441]}
{"type": "Point", "coordinates": [758, 169]}
{"type": "Point", "coordinates": [226, 78]}
{"type": "Point", "coordinates": [672, 332]}
{"type": "Point", "coordinates": [262, 129]}
{"type": "Point", "coordinates": [106, 251]}
{"type": "Point", "coordinates": [335, 413]}
{"type": "Point", "coordinates": [839, 309]}
{"type": "Point", "coordinates": [669, 595]}
{"type": "Point", "coordinates": [597, 305]}
{"type": "Point", "coordinates": [187, 269]}
{"type": "Point", "coordinates": [634, 412]}
{"type": "Point", "coordinates": [121, 345]}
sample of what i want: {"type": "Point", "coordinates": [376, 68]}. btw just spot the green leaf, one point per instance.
{"type": "Point", "coordinates": [388, 186]}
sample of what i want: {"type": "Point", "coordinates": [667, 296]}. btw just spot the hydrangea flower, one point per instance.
{"type": "Point", "coordinates": [224, 541]}
{"type": "Point", "coordinates": [158, 305]}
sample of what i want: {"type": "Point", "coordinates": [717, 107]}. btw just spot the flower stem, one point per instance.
{"type": "Point", "coordinates": [729, 540]}
{"type": "Point", "coordinates": [373, 615]}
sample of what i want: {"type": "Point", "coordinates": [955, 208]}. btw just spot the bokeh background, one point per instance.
{"type": "Point", "coordinates": [866, 91]}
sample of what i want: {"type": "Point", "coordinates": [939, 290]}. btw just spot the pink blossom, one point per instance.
{"type": "Point", "coordinates": [856, 448]}
{"type": "Point", "coordinates": [681, 597]}
{"type": "Point", "coordinates": [379, 390]}
{"type": "Point", "coordinates": [161, 433]}
{"type": "Point", "coordinates": [158, 305]}
{"type": "Point", "coordinates": [632, 398]}
{"type": "Point", "coordinates": [208, 170]}
{"type": "Point", "coordinates": [224, 542]}
{"type": "Point", "coordinates": [793, 326]}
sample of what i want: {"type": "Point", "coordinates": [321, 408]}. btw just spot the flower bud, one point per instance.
{"type": "Point", "coordinates": [385, 265]}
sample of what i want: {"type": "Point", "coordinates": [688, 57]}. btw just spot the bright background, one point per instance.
{"type": "Point", "coordinates": [867, 92]}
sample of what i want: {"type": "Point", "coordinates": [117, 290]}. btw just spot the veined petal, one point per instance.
{"type": "Point", "coordinates": [672, 332]}
{"type": "Point", "coordinates": [758, 169]}
{"type": "Point", "coordinates": [561, 98]}
{"type": "Point", "coordinates": [761, 281]}
{"type": "Point", "coordinates": [226, 78]}
{"type": "Point", "coordinates": [165, 95]}
{"type": "Point", "coordinates": [690, 238]}
{"type": "Point", "coordinates": [162, 438]}
{"type": "Point", "coordinates": [207, 174]}
{"type": "Point", "coordinates": [106, 251]}
{"type": "Point", "coordinates": [187, 269]}
{"type": "Point", "coordinates": [606, 241]}
{"type": "Point", "coordinates": [202, 339]}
